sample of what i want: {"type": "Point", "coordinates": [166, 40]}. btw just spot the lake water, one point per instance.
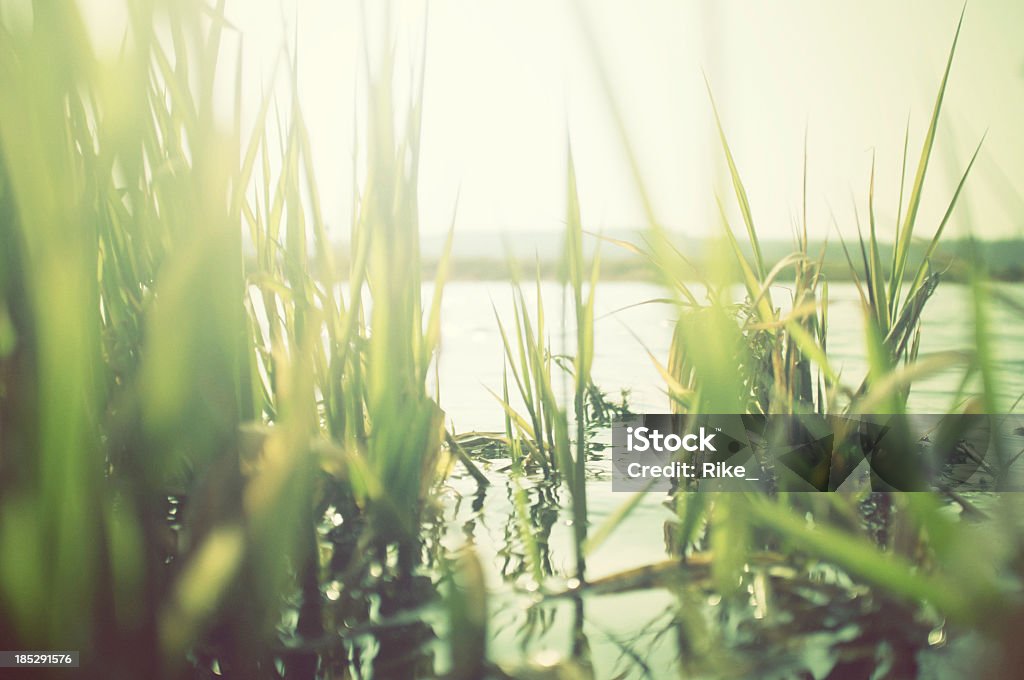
{"type": "Point", "coordinates": [471, 353]}
{"type": "Point", "coordinates": [628, 633]}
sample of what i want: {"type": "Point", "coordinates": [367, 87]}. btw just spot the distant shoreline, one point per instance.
{"type": "Point", "coordinates": [487, 257]}
{"type": "Point", "coordinates": [492, 269]}
{"type": "Point", "coordinates": [999, 260]}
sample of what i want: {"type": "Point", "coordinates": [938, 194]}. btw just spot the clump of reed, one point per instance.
{"type": "Point", "coordinates": [785, 368]}
{"type": "Point", "coordinates": [142, 362]}
{"type": "Point", "coordinates": [543, 437]}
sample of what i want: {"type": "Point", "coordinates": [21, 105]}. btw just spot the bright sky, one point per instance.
{"type": "Point", "coordinates": [506, 82]}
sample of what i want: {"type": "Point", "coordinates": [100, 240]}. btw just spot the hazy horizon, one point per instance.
{"type": "Point", "coordinates": [495, 125]}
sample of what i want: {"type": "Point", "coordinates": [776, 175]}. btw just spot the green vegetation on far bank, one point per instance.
{"type": "Point", "coordinates": [1003, 260]}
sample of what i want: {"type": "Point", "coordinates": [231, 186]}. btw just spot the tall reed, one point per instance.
{"type": "Point", "coordinates": [174, 324]}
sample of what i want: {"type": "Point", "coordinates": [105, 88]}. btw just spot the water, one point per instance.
{"type": "Point", "coordinates": [651, 632]}
{"type": "Point", "coordinates": [471, 350]}
{"type": "Point", "coordinates": [784, 620]}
